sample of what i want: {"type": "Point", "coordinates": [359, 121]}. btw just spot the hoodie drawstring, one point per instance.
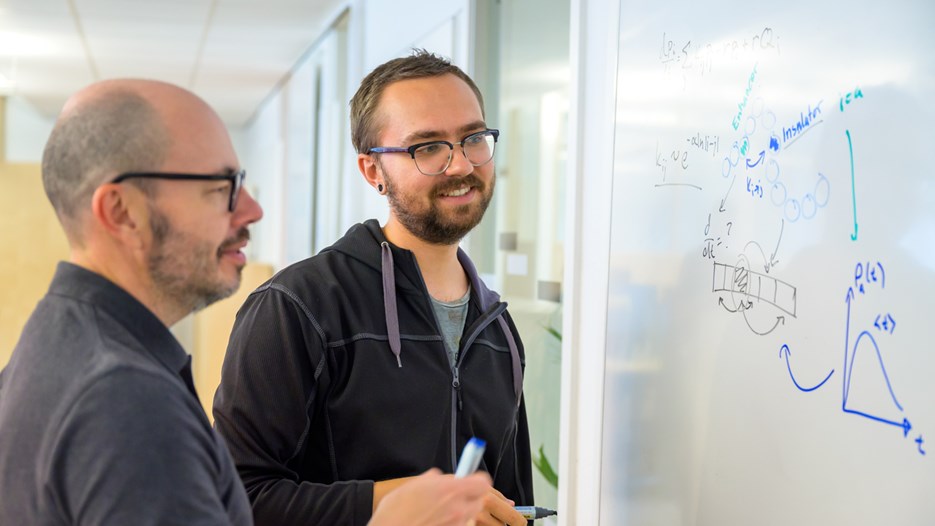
{"type": "Point", "coordinates": [392, 318]}
{"type": "Point", "coordinates": [514, 359]}
{"type": "Point", "coordinates": [389, 301]}
{"type": "Point", "coordinates": [471, 270]}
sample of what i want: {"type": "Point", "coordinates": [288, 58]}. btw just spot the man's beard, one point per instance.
{"type": "Point", "coordinates": [431, 225]}
{"type": "Point", "coordinates": [185, 271]}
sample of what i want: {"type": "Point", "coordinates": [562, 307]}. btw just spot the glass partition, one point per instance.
{"type": "Point", "coordinates": [521, 62]}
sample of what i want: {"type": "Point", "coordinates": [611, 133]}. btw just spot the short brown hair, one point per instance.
{"type": "Point", "coordinates": [421, 64]}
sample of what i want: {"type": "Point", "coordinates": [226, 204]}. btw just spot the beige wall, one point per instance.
{"type": "Point", "coordinates": [212, 328]}
{"type": "Point", "coordinates": [31, 243]}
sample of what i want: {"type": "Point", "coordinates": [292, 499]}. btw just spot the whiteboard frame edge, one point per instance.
{"type": "Point", "coordinates": [594, 42]}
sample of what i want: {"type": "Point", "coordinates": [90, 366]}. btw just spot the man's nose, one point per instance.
{"type": "Point", "coordinates": [248, 210]}
{"type": "Point", "coordinates": [459, 165]}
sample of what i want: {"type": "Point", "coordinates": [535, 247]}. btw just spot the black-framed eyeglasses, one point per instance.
{"type": "Point", "coordinates": [433, 158]}
{"type": "Point", "coordinates": [235, 177]}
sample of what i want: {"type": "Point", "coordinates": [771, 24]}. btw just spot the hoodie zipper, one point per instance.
{"type": "Point", "coordinates": [457, 404]}
{"type": "Point", "coordinates": [387, 266]}
{"type": "Point", "coordinates": [474, 331]}
{"type": "Point", "coordinates": [456, 384]}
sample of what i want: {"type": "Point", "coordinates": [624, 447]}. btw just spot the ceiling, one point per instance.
{"type": "Point", "coordinates": [230, 52]}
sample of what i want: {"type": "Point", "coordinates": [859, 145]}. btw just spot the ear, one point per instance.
{"type": "Point", "coordinates": [118, 212]}
{"type": "Point", "coordinates": [370, 169]}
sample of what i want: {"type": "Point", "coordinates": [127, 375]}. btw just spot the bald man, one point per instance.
{"type": "Point", "coordinates": [99, 419]}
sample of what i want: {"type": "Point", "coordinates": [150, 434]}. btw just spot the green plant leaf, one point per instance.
{"type": "Point", "coordinates": [553, 332]}
{"type": "Point", "coordinates": [545, 468]}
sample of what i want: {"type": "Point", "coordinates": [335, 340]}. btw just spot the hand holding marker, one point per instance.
{"type": "Point", "coordinates": [535, 512]}
{"type": "Point", "coordinates": [470, 459]}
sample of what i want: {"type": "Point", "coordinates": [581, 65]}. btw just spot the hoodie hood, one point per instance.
{"type": "Point", "coordinates": [361, 239]}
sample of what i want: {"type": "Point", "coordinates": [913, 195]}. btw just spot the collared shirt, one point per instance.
{"type": "Point", "coordinates": [99, 420]}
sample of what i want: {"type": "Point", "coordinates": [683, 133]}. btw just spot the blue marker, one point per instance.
{"type": "Point", "coordinates": [534, 512]}
{"type": "Point", "coordinates": [470, 457]}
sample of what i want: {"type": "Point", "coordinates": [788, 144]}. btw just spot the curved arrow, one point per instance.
{"type": "Point", "coordinates": [757, 246]}
{"type": "Point", "coordinates": [758, 161]}
{"type": "Point", "coordinates": [772, 258]}
{"type": "Point", "coordinates": [785, 350]}
{"type": "Point", "coordinates": [742, 307]}
{"type": "Point", "coordinates": [779, 319]}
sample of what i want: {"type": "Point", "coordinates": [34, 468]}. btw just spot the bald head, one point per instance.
{"type": "Point", "coordinates": [106, 129]}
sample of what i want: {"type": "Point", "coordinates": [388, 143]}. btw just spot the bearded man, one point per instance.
{"type": "Point", "coordinates": [381, 356]}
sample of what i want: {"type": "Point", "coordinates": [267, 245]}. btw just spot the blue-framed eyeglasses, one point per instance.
{"type": "Point", "coordinates": [235, 177]}
{"type": "Point", "coordinates": [433, 158]}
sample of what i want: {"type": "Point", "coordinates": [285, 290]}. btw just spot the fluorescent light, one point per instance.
{"type": "Point", "coordinates": [23, 45]}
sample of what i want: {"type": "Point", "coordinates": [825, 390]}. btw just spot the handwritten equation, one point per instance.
{"type": "Point", "coordinates": [700, 57]}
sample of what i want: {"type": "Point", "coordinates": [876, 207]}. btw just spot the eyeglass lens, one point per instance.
{"type": "Point", "coordinates": [236, 185]}
{"type": "Point", "coordinates": [434, 158]}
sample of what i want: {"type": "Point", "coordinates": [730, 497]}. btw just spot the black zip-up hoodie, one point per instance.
{"type": "Point", "coordinates": [336, 375]}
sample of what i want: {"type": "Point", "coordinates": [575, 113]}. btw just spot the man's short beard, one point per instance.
{"type": "Point", "coordinates": [429, 225]}
{"type": "Point", "coordinates": [184, 275]}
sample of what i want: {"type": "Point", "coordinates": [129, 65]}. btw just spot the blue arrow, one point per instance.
{"type": "Point", "coordinates": [847, 334]}
{"type": "Point", "coordinates": [785, 350]}
{"type": "Point", "coordinates": [758, 161]}
{"type": "Point", "coordinates": [904, 425]}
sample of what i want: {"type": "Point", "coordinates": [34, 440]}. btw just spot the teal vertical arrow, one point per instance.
{"type": "Point", "coordinates": [850, 148]}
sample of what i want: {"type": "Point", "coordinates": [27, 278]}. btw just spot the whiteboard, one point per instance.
{"type": "Point", "coordinates": [769, 353]}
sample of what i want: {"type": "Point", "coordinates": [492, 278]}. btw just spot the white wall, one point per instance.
{"type": "Point", "coordinates": [262, 157]}
{"type": "Point", "coordinates": [27, 132]}
{"type": "Point", "coordinates": [389, 30]}
{"type": "Point", "coordinates": [393, 28]}
{"type": "Point", "coordinates": [298, 115]}
{"type": "Point", "coordinates": [238, 139]}
{"type": "Point", "coordinates": [331, 140]}
{"type": "Point", "coordinates": [291, 160]}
